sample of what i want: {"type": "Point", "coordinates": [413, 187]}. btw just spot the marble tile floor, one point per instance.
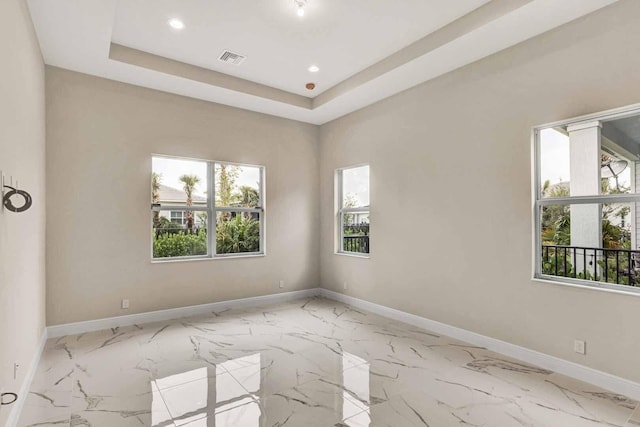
{"type": "Point", "coordinates": [305, 363]}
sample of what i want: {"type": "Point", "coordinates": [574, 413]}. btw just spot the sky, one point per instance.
{"type": "Point", "coordinates": [172, 169]}
{"type": "Point", "coordinates": [554, 159]}
{"type": "Point", "coordinates": [554, 156]}
{"type": "Point", "coordinates": [355, 181]}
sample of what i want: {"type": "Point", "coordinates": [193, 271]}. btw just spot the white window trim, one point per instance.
{"type": "Point", "coordinates": [538, 202]}
{"type": "Point", "coordinates": [212, 210]}
{"type": "Point", "coordinates": [340, 211]}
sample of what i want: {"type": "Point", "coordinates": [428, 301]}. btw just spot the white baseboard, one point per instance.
{"type": "Point", "coordinates": [16, 408]}
{"type": "Point", "coordinates": [173, 313]}
{"type": "Point", "coordinates": [592, 376]}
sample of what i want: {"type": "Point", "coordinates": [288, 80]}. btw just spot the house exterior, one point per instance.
{"type": "Point", "coordinates": [176, 197]}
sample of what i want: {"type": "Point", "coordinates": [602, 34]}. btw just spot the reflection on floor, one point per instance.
{"type": "Point", "coordinates": [305, 363]}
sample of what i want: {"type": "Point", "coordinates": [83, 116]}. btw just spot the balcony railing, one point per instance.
{"type": "Point", "coordinates": [618, 266]}
{"type": "Point", "coordinates": [359, 244]}
{"type": "Point", "coordinates": [178, 229]}
{"type": "Point", "coordinates": [356, 238]}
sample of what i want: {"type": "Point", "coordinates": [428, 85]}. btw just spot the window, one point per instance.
{"type": "Point", "coordinates": [191, 197]}
{"type": "Point", "coordinates": [353, 210]}
{"type": "Point", "coordinates": [587, 230]}
{"type": "Point", "coordinates": [178, 217]}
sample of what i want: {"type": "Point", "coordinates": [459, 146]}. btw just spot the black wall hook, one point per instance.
{"type": "Point", "coordinates": [28, 201]}
{"type": "Point", "coordinates": [10, 398]}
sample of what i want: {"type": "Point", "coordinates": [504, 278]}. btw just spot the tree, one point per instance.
{"type": "Point", "coordinates": [235, 231]}
{"type": "Point", "coordinates": [615, 236]}
{"type": "Point", "coordinates": [156, 179]}
{"type": "Point", "coordinates": [249, 197]}
{"type": "Point", "coordinates": [350, 202]}
{"type": "Point", "coordinates": [556, 219]}
{"type": "Point", "coordinates": [226, 176]}
{"type": "Point", "coordinates": [190, 182]}
{"type": "Point", "coordinates": [237, 235]}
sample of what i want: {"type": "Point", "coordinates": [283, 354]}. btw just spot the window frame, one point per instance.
{"type": "Point", "coordinates": [341, 211]}
{"type": "Point", "coordinates": [211, 210]}
{"type": "Point", "coordinates": [538, 202]}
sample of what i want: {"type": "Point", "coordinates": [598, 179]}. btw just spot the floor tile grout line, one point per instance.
{"type": "Point", "coordinates": [166, 407]}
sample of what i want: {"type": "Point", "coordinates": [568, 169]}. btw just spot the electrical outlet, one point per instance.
{"type": "Point", "coordinates": [125, 304]}
{"type": "Point", "coordinates": [16, 365]}
{"type": "Point", "coordinates": [345, 286]}
{"type": "Point", "coordinates": [580, 347]}
{"type": "Point", "coordinates": [281, 284]}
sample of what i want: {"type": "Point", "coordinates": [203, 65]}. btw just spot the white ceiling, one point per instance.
{"type": "Point", "coordinates": [367, 50]}
{"type": "Point", "coordinates": [341, 37]}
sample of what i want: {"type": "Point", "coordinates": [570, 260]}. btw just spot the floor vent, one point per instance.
{"type": "Point", "coordinates": [231, 57]}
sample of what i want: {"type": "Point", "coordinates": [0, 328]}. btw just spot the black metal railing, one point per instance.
{"type": "Point", "coordinates": [619, 266]}
{"type": "Point", "coordinates": [359, 244]}
{"type": "Point", "coordinates": [178, 229]}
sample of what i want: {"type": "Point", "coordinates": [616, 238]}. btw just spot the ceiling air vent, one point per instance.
{"type": "Point", "coordinates": [231, 58]}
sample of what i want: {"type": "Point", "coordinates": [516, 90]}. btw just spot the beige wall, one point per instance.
{"type": "Point", "coordinates": [22, 155]}
{"type": "Point", "coordinates": [100, 137]}
{"type": "Point", "coordinates": [451, 193]}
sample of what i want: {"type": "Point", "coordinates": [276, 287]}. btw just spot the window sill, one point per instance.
{"type": "Point", "coordinates": [353, 255]}
{"type": "Point", "coordinates": [175, 260]}
{"type": "Point", "coordinates": [635, 291]}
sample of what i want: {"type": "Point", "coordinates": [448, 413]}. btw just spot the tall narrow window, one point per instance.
{"type": "Point", "coordinates": [179, 217]}
{"type": "Point", "coordinates": [191, 197]}
{"type": "Point", "coordinates": [353, 212]}
{"type": "Point", "coordinates": [238, 209]}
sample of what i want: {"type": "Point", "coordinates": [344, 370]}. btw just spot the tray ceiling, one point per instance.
{"type": "Point", "coordinates": [366, 50]}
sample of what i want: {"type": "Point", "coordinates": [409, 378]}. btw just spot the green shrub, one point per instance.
{"type": "Point", "coordinates": [237, 234]}
{"type": "Point", "coordinates": [234, 234]}
{"type": "Point", "coordinates": [179, 244]}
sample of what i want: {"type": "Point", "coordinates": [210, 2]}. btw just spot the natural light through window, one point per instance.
{"type": "Point", "coordinates": [586, 225]}
{"type": "Point", "coordinates": [353, 213]}
{"type": "Point", "coordinates": [356, 399]}
{"type": "Point", "coordinates": [191, 197]}
{"type": "Point", "coordinates": [226, 394]}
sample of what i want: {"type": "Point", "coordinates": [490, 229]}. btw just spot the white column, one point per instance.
{"type": "Point", "coordinates": [586, 220]}
{"type": "Point", "coordinates": [635, 207]}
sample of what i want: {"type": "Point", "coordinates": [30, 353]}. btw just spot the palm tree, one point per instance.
{"type": "Point", "coordinates": [249, 197]}
{"type": "Point", "coordinates": [190, 182]}
{"type": "Point", "coordinates": [156, 178]}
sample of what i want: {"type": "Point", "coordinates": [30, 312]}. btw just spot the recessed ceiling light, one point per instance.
{"type": "Point", "coordinates": [314, 69]}
{"type": "Point", "coordinates": [176, 24]}
{"type": "Point", "coordinates": [300, 5]}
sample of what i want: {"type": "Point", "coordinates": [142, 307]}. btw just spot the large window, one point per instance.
{"type": "Point", "coordinates": [587, 172]}
{"type": "Point", "coordinates": [191, 197]}
{"type": "Point", "coordinates": [353, 210]}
